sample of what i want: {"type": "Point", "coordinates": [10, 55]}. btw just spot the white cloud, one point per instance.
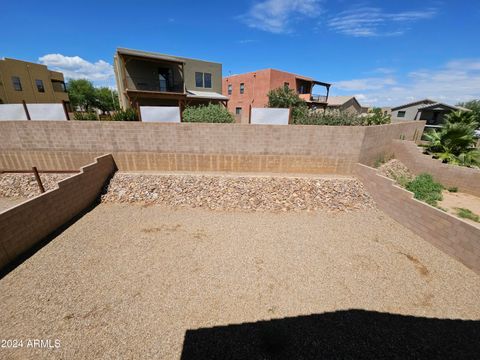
{"type": "Point", "coordinates": [456, 81]}
{"type": "Point", "coordinates": [74, 67]}
{"type": "Point", "coordinates": [372, 83]}
{"type": "Point", "coordinates": [277, 16]}
{"type": "Point", "coordinates": [372, 21]}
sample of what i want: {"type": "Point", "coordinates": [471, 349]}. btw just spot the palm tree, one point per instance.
{"type": "Point", "coordinates": [455, 142]}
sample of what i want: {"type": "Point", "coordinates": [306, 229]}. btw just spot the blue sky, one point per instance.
{"type": "Point", "coordinates": [384, 52]}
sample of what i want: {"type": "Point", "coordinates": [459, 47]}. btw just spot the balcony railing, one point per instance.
{"type": "Point", "coordinates": [152, 84]}
{"type": "Point", "coordinates": [314, 98]}
{"type": "Point", "coordinates": [318, 98]}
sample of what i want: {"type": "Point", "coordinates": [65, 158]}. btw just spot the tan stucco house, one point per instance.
{"type": "Point", "coordinates": [344, 103]}
{"type": "Point", "coordinates": [153, 79]}
{"type": "Point", "coordinates": [22, 81]}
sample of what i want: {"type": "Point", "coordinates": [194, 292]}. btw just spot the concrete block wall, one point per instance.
{"type": "Point", "coordinates": [138, 146]}
{"type": "Point", "coordinates": [450, 234]}
{"type": "Point", "coordinates": [24, 225]}
{"type": "Point", "coordinates": [466, 179]}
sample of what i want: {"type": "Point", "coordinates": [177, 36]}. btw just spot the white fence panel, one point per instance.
{"type": "Point", "coordinates": [163, 114]}
{"type": "Point", "coordinates": [12, 112]}
{"type": "Point", "coordinates": [50, 112]}
{"type": "Point", "coordinates": [269, 116]}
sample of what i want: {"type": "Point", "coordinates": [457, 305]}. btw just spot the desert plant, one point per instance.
{"type": "Point", "coordinates": [284, 97]}
{"type": "Point", "coordinates": [455, 142]}
{"type": "Point", "coordinates": [467, 214]}
{"type": "Point", "coordinates": [376, 117]}
{"type": "Point", "coordinates": [211, 113]}
{"type": "Point", "coordinates": [90, 115]}
{"type": "Point", "coordinates": [424, 188]}
{"type": "Point", "coordinates": [453, 189]}
{"type": "Point", "coordinates": [129, 114]}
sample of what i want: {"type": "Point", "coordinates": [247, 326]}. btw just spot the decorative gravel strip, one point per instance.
{"type": "Point", "coordinates": [25, 185]}
{"type": "Point", "coordinates": [247, 193]}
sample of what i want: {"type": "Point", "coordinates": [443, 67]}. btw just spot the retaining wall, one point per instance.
{"type": "Point", "coordinates": [450, 234]}
{"type": "Point", "coordinates": [138, 146]}
{"type": "Point", "coordinates": [24, 225]}
{"type": "Point", "coordinates": [466, 179]}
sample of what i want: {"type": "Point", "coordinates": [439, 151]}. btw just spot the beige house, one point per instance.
{"type": "Point", "coordinates": [22, 81]}
{"type": "Point", "coordinates": [153, 79]}
{"type": "Point", "coordinates": [431, 111]}
{"type": "Point", "coordinates": [344, 103]}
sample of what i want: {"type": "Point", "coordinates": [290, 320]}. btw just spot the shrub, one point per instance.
{"type": "Point", "coordinates": [467, 214]}
{"type": "Point", "coordinates": [340, 118]}
{"type": "Point", "coordinates": [425, 189]}
{"type": "Point", "coordinates": [85, 115]}
{"type": "Point", "coordinates": [129, 114]}
{"type": "Point", "coordinates": [284, 97]}
{"type": "Point", "coordinates": [211, 113]}
{"type": "Point", "coordinates": [453, 189]}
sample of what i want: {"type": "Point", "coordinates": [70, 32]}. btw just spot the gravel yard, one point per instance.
{"type": "Point", "coordinates": [248, 193]}
{"type": "Point", "coordinates": [127, 281]}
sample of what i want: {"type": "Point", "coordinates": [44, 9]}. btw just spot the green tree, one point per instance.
{"type": "Point", "coordinates": [106, 99]}
{"type": "Point", "coordinates": [82, 94]}
{"type": "Point", "coordinates": [283, 97]}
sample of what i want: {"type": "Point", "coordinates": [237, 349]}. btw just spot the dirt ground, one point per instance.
{"type": "Point", "coordinates": [128, 281]}
{"type": "Point", "coordinates": [452, 200]}
{"type": "Point", "coordinates": [6, 203]}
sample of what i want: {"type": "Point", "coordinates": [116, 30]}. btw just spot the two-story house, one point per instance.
{"type": "Point", "coordinates": [153, 79]}
{"type": "Point", "coordinates": [22, 81]}
{"type": "Point", "coordinates": [251, 89]}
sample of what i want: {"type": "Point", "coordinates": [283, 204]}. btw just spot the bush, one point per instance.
{"type": "Point", "coordinates": [341, 118]}
{"type": "Point", "coordinates": [284, 97]}
{"type": "Point", "coordinates": [211, 113]}
{"type": "Point", "coordinates": [426, 189]}
{"type": "Point", "coordinates": [468, 214]}
{"type": "Point", "coordinates": [453, 189]}
{"type": "Point", "coordinates": [85, 115]}
{"type": "Point", "coordinates": [125, 115]}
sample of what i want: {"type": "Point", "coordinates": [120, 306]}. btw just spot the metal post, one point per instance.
{"type": "Point", "coordinates": [26, 110]}
{"type": "Point", "coordinates": [39, 181]}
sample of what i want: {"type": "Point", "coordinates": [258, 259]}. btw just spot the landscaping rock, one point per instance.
{"type": "Point", "coordinates": [396, 170]}
{"type": "Point", "coordinates": [247, 193]}
{"type": "Point", "coordinates": [25, 185]}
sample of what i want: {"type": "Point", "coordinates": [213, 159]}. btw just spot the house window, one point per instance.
{"type": "Point", "coordinates": [17, 85]}
{"type": "Point", "coordinates": [238, 111]}
{"type": "Point", "coordinates": [198, 79]}
{"type": "Point", "coordinates": [40, 86]}
{"type": "Point", "coordinates": [286, 85]}
{"type": "Point", "coordinates": [401, 114]}
{"type": "Point", "coordinates": [230, 89]}
{"type": "Point", "coordinates": [242, 88]}
{"type": "Point", "coordinates": [207, 80]}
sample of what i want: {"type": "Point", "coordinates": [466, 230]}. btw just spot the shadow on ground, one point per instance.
{"type": "Point", "coordinates": [351, 334]}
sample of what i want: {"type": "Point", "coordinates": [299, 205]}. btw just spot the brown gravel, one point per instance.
{"type": "Point", "coordinates": [247, 193]}
{"type": "Point", "coordinates": [127, 281]}
{"type": "Point", "coordinates": [396, 170]}
{"type": "Point", "coordinates": [25, 185]}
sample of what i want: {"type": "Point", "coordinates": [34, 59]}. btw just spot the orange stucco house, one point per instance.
{"type": "Point", "coordinates": [251, 89]}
